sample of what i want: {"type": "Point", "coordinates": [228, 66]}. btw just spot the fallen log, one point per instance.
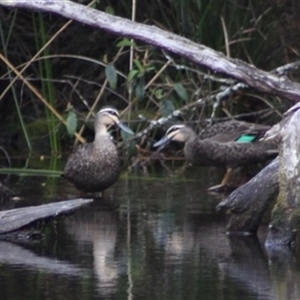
{"type": "Point", "coordinates": [285, 224]}
{"type": "Point", "coordinates": [14, 220]}
{"type": "Point", "coordinates": [218, 62]}
{"type": "Point", "coordinates": [248, 202]}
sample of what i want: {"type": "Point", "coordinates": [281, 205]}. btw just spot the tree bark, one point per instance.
{"type": "Point", "coordinates": [286, 214]}
{"type": "Point", "coordinates": [16, 219]}
{"type": "Point", "coordinates": [248, 202]}
{"type": "Point", "coordinates": [199, 54]}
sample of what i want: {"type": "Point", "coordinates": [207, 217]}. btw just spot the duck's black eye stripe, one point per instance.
{"type": "Point", "coordinates": [113, 112]}
{"type": "Point", "coordinates": [172, 129]}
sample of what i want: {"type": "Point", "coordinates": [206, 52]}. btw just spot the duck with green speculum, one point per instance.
{"type": "Point", "coordinates": [93, 167]}
{"type": "Point", "coordinates": [230, 145]}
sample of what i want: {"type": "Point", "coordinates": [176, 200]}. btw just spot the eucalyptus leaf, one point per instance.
{"type": "Point", "coordinates": [71, 123]}
{"type": "Point", "coordinates": [131, 149]}
{"type": "Point", "coordinates": [139, 66]}
{"type": "Point", "coordinates": [160, 94]}
{"type": "Point", "coordinates": [125, 42]}
{"type": "Point", "coordinates": [111, 75]}
{"type": "Point", "coordinates": [132, 74]}
{"type": "Point", "coordinates": [166, 107]}
{"type": "Point", "coordinates": [130, 144]}
{"type": "Point", "coordinates": [140, 89]}
{"type": "Point", "coordinates": [181, 91]}
{"type": "Point", "coordinates": [148, 69]}
{"type": "Point", "coordinates": [126, 135]}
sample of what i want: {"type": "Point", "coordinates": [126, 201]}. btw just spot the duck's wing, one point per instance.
{"type": "Point", "coordinates": [237, 154]}
{"type": "Point", "coordinates": [231, 131]}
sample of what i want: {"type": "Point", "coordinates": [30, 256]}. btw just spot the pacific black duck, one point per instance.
{"type": "Point", "coordinates": [234, 131]}
{"type": "Point", "coordinates": [230, 146]}
{"type": "Point", "coordinates": [93, 167]}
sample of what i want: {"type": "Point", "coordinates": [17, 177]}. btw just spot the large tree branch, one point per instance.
{"type": "Point", "coordinates": [201, 55]}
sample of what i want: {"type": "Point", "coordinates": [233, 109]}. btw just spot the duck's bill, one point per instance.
{"type": "Point", "coordinates": [125, 128]}
{"type": "Point", "coordinates": [164, 141]}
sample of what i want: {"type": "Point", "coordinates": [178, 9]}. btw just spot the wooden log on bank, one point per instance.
{"type": "Point", "coordinates": [285, 223]}
{"type": "Point", "coordinates": [248, 202]}
{"type": "Point", "coordinates": [16, 219]}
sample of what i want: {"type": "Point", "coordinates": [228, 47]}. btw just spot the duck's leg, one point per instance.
{"type": "Point", "coordinates": [244, 176]}
{"type": "Point", "coordinates": [223, 182]}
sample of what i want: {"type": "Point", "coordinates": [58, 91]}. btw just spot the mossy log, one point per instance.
{"type": "Point", "coordinates": [14, 220]}
{"type": "Point", "coordinates": [248, 202]}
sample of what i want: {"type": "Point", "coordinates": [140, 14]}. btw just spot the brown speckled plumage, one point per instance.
{"type": "Point", "coordinates": [229, 131]}
{"type": "Point", "coordinates": [209, 152]}
{"type": "Point", "coordinates": [93, 167]}
{"type": "Point", "coordinates": [229, 144]}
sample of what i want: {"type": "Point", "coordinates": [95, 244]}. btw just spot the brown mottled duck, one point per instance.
{"type": "Point", "coordinates": [93, 167]}
{"type": "Point", "coordinates": [232, 145]}
{"type": "Point", "coordinates": [234, 131]}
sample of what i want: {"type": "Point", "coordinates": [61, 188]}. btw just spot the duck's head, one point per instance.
{"type": "Point", "coordinates": [109, 116]}
{"type": "Point", "coordinates": [176, 133]}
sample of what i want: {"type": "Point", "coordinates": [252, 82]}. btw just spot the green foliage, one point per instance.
{"type": "Point", "coordinates": [45, 71]}
{"type": "Point", "coordinates": [72, 69]}
{"type": "Point", "coordinates": [5, 40]}
{"type": "Point", "coordinates": [111, 75]}
{"type": "Point", "coordinates": [126, 42]}
{"type": "Point", "coordinates": [71, 123]}
{"type": "Point", "coordinates": [140, 88]}
{"type": "Point", "coordinates": [181, 91]}
{"type": "Point", "coordinates": [166, 107]}
{"type": "Point", "coordinates": [31, 172]}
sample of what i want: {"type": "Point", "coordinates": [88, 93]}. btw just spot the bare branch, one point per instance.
{"type": "Point", "coordinates": [199, 54]}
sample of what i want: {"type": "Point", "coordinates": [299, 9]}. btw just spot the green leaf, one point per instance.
{"type": "Point", "coordinates": [71, 123]}
{"type": "Point", "coordinates": [125, 42]}
{"type": "Point", "coordinates": [132, 74]}
{"type": "Point", "coordinates": [126, 135]}
{"type": "Point", "coordinates": [111, 75]}
{"type": "Point", "coordinates": [148, 69]}
{"type": "Point", "coordinates": [160, 94]}
{"type": "Point", "coordinates": [181, 91]}
{"type": "Point", "coordinates": [166, 107]}
{"type": "Point", "coordinates": [139, 66]}
{"type": "Point", "coordinates": [131, 149]}
{"type": "Point", "coordinates": [130, 144]}
{"type": "Point", "coordinates": [140, 89]}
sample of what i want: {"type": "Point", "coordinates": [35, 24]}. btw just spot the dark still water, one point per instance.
{"type": "Point", "coordinates": [149, 238]}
